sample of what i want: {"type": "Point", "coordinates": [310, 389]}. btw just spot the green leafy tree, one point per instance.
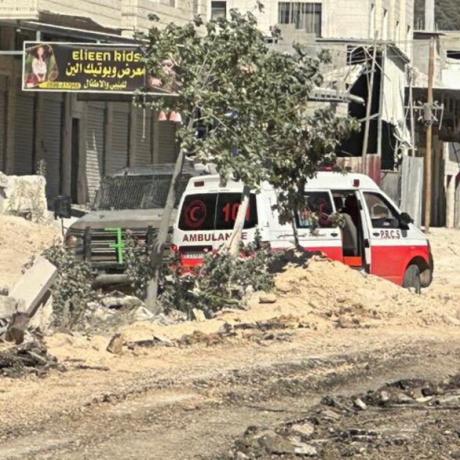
{"type": "Point", "coordinates": [253, 101]}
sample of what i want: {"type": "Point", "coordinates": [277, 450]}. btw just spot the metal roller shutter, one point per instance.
{"type": "Point", "coordinates": [120, 138]}
{"type": "Point", "coordinates": [167, 149]}
{"type": "Point", "coordinates": [51, 137]}
{"type": "Point", "coordinates": [143, 155]}
{"type": "Point", "coordinates": [94, 146]}
{"type": "Point", "coordinates": [3, 102]}
{"type": "Point", "coordinates": [24, 135]}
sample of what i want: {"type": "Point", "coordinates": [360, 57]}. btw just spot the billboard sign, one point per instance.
{"type": "Point", "coordinates": [86, 68]}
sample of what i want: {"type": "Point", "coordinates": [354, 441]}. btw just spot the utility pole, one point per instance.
{"type": "Point", "coordinates": [411, 108]}
{"type": "Point", "coordinates": [429, 138]}
{"type": "Point", "coordinates": [370, 98]}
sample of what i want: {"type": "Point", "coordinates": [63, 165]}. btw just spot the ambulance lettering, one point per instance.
{"type": "Point", "coordinates": [209, 237]}
{"type": "Point", "coordinates": [390, 234]}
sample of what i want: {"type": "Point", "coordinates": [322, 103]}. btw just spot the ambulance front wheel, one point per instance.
{"type": "Point", "coordinates": [412, 279]}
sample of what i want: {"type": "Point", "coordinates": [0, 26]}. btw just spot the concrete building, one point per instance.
{"type": "Point", "coordinates": [446, 136]}
{"type": "Point", "coordinates": [77, 140]}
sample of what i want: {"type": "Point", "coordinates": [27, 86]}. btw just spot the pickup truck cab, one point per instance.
{"type": "Point", "coordinates": [347, 217]}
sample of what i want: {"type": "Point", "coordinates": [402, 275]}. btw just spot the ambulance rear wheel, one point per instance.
{"type": "Point", "coordinates": [412, 279]}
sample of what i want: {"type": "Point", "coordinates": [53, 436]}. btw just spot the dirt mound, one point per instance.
{"type": "Point", "coordinates": [323, 296]}
{"type": "Point", "coordinates": [350, 298]}
{"type": "Point", "coordinates": [19, 241]}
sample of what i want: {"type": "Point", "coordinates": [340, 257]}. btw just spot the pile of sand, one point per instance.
{"type": "Point", "coordinates": [20, 240]}
{"type": "Point", "coordinates": [323, 297]}
{"type": "Point", "coordinates": [333, 291]}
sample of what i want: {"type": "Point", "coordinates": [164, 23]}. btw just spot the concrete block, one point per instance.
{"type": "Point", "coordinates": [32, 287]}
{"type": "Point", "coordinates": [24, 196]}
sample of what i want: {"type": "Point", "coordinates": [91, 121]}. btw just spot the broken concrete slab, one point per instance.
{"type": "Point", "coordinates": [32, 288]}
{"type": "Point", "coordinates": [116, 343]}
{"type": "Point", "coordinates": [198, 315]}
{"type": "Point", "coordinates": [142, 314]}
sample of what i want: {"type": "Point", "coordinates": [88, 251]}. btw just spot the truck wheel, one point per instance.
{"type": "Point", "coordinates": [412, 279]}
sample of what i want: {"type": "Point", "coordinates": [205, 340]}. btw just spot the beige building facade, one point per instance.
{"type": "Point", "coordinates": [75, 141]}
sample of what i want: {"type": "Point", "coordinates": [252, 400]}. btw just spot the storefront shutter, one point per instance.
{"type": "Point", "coordinates": [167, 148]}
{"type": "Point", "coordinates": [94, 146]}
{"type": "Point", "coordinates": [24, 135]}
{"type": "Point", "coordinates": [118, 157]}
{"type": "Point", "coordinates": [143, 154]}
{"type": "Point", "coordinates": [51, 124]}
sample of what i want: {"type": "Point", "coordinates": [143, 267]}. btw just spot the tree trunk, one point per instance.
{"type": "Point", "coordinates": [157, 253]}
{"type": "Point", "coordinates": [233, 244]}
{"type": "Point", "coordinates": [295, 234]}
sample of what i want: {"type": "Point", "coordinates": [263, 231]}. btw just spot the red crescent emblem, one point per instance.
{"type": "Point", "coordinates": [195, 214]}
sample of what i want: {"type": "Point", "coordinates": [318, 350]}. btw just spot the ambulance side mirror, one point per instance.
{"type": "Point", "coordinates": [405, 220]}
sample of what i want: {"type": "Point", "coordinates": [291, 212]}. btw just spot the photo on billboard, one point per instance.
{"type": "Point", "coordinates": [90, 68]}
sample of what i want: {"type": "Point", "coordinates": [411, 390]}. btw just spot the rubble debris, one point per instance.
{"type": "Point", "coordinates": [120, 300]}
{"type": "Point", "coordinates": [305, 429]}
{"type": "Point", "coordinates": [141, 313]}
{"type": "Point", "coordinates": [360, 404]}
{"type": "Point", "coordinates": [116, 343]}
{"type": "Point", "coordinates": [279, 322]}
{"type": "Point", "coordinates": [30, 357]}
{"type": "Point", "coordinates": [155, 341]}
{"type": "Point", "coordinates": [198, 337]}
{"type": "Point", "coordinates": [198, 315]}
{"type": "Point", "coordinates": [17, 328]}
{"type": "Point", "coordinates": [267, 298]}
{"type": "Point", "coordinates": [8, 306]}
{"type": "Point", "coordinates": [354, 426]}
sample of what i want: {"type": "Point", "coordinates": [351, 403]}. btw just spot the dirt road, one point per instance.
{"type": "Point", "coordinates": [193, 402]}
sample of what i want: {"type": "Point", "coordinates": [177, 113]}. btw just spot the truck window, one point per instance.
{"type": "Point", "coordinates": [137, 191]}
{"type": "Point", "coordinates": [317, 211]}
{"type": "Point", "coordinates": [382, 214]}
{"type": "Point", "coordinates": [215, 211]}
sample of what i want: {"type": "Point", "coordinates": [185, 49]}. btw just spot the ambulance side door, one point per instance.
{"type": "Point", "coordinates": [315, 226]}
{"type": "Point", "coordinates": [386, 239]}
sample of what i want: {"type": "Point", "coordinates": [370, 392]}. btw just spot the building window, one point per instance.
{"type": "Point", "coordinates": [305, 16]}
{"type": "Point", "coordinates": [218, 10]}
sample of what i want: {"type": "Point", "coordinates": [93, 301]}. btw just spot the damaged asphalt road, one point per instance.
{"type": "Point", "coordinates": [203, 411]}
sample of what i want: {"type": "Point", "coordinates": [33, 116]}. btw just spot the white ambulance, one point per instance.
{"type": "Point", "coordinates": [373, 234]}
